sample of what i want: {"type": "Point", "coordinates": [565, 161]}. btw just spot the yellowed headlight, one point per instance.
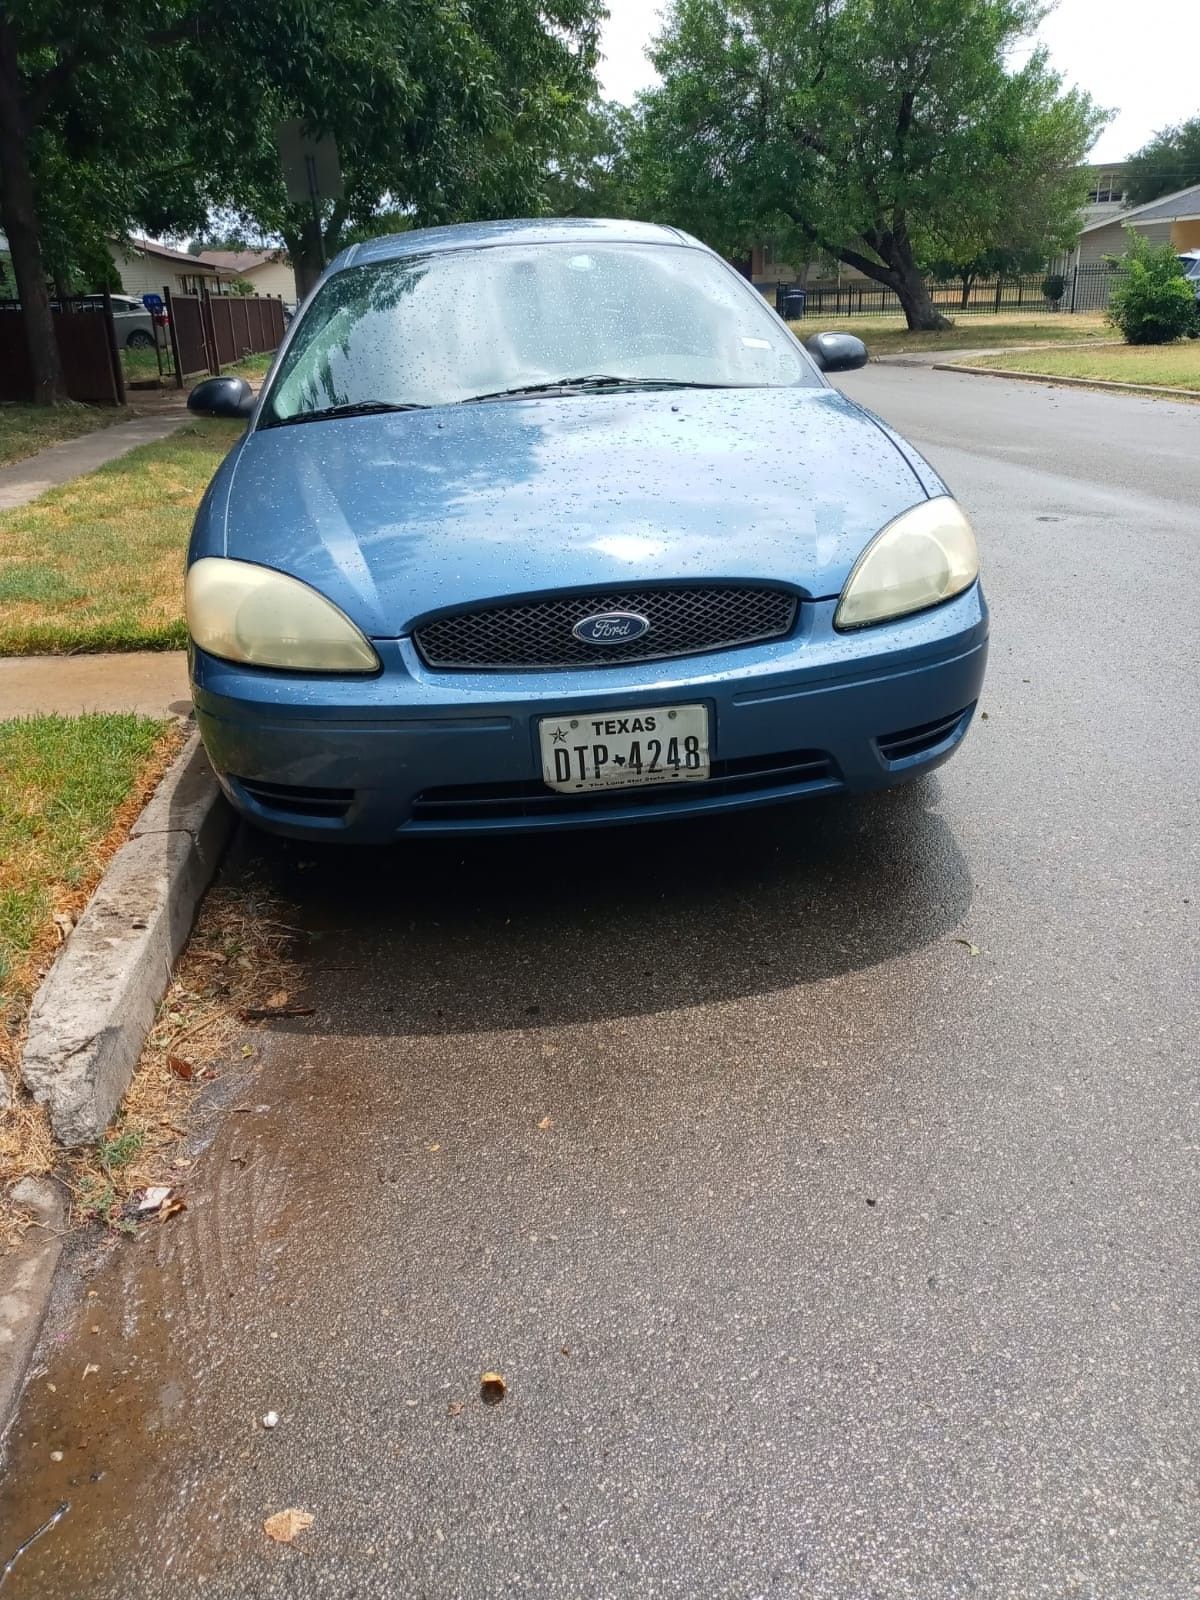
{"type": "Point", "coordinates": [925, 556]}
{"type": "Point", "coordinates": [243, 612]}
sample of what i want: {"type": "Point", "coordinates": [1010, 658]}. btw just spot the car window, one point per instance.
{"type": "Point", "coordinates": [434, 330]}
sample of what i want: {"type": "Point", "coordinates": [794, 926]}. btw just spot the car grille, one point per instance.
{"type": "Point", "coordinates": [794, 770]}
{"type": "Point", "coordinates": [537, 633]}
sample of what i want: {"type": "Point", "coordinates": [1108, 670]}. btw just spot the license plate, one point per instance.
{"type": "Point", "coordinates": [624, 749]}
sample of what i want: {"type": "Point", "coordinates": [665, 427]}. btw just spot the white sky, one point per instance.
{"type": "Point", "coordinates": [1139, 60]}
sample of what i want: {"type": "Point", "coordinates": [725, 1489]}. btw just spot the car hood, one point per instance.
{"type": "Point", "coordinates": [399, 515]}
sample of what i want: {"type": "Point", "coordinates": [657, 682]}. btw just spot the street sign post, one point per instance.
{"type": "Point", "coordinates": [311, 171]}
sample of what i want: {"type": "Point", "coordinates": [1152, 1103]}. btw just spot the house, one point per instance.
{"type": "Point", "coordinates": [1172, 219]}
{"type": "Point", "coordinates": [270, 272]}
{"type": "Point", "coordinates": [144, 267]}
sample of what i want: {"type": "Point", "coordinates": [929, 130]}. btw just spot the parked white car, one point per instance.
{"type": "Point", "coordinates": [133, 323]}
{"type": "Point", "coordinates": [1190, 262]}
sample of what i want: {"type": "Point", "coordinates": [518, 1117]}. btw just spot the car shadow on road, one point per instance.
{"type": "Point", "coordinates": [440, 937]}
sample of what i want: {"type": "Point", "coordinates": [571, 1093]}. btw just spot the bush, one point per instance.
{"type": "Point", "coordinates": [1155, 304]}
{"type": "Point", "coordinates": [1054, 286]}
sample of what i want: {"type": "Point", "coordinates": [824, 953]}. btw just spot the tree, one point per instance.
{"type": "Point", "coordinates": [995, 263]}
{"type": "Point", "coordinates": [881, 132]}
{"type": "Point", "coordinates": [160, 112]}
{"type": "Point", "coordinates": [1170, 161]}
{"type": "Point", "coordinates": [588, 173]}
{"type": "Point", "coordinates": [440, 113]}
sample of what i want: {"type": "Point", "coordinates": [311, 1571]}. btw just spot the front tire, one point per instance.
{"type": "Point", "coordinates": [139, 339]}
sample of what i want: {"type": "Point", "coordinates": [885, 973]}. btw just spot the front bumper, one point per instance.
{"type": "Point", "coordinates": [411, 751]}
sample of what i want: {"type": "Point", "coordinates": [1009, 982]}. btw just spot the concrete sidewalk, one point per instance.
{"type": "Point", "coordinates": [152, 682]}
{"type": "Point", "coordinates": [59, 463]}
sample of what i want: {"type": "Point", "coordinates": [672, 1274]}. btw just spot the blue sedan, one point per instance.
{"type": "Point", "coordinates": [548, 524]}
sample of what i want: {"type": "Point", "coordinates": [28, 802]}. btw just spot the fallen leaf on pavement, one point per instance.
{"type": "Point", "coordinates": [285, 1525]}
{"type": "Point", "coordinates": [455, 1408]}
{"type": "Point", "coordinates": [171, 1207]}
{"type": "Point", "coordinates": [492, 1388]}
{"type": "Point", "coordinates": [546, 1122]}
{"type": "Point", "coordinates": [90, 1368]}
{"type": "Point", "coordinates": [972, 949]}
{"type": "Point", "coordinates": [181, 1068]}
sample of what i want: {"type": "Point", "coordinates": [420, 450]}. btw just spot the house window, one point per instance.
{"type": "Point", "coordinates": [1108, 189]}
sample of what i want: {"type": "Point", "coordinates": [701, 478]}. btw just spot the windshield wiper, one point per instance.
{"type": "Point", "coordinates": [353, 408]}
{"type": "Point", "coordinates": [589, 381]}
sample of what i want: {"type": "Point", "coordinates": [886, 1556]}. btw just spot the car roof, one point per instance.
{"type": "Point", "coordinates": [525, 230]}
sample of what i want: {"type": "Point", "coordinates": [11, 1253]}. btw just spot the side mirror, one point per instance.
{"type": "Point", "coordinates": [836, 352]}
{"type": "Point", "coordinates": [222, 397]}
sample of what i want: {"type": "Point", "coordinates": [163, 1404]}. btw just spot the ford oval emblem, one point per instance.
{"type": "Point", "coordinates": [611, 627]}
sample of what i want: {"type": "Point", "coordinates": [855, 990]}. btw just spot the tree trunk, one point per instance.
{"type": "Point", "coordinates": [18, 210]}
{"type": "Point", "coordinates": [919, 310]}
{"type": "Point", "coordinates": [968, 278]}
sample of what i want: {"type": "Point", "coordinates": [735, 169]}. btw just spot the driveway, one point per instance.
{"type": "Point", "coordinates": [823, 1182]}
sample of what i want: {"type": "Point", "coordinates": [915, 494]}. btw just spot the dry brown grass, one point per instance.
{"type": "Point", "coordinates": [237, 960]}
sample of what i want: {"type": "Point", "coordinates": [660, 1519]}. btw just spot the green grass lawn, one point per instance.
{"type": "Point", "coordinates": [98, 563]}
{"type": "Point", "coordinates": [70, 788]}
{"type": "Point", "coordinates": [885, 336]}
{"type": "Point", "coordinates": [64, 782]}
{"type": "Point", "coordinates": [251, 367]}
{"type": "Point", "coordinates": [141, 366]}
{"type": "Point", "coordinates": [24, 430]}
{"type": "Point", "coordinates": [1176, 365]}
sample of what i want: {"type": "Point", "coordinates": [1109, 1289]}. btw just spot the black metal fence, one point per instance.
{"type": "Point", "coordinates": [1085, 288]}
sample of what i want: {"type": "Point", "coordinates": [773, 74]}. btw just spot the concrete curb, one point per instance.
{"type": "Point", "coordinates": [1157, 390]}
{"type": "Point", "coordinates": [91, 1015]}
{"type": "Point", "coordinates": [25, 1279]}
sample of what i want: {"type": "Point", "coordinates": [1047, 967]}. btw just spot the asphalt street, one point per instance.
{"type": "Point", "coordinates": [823, 1182]}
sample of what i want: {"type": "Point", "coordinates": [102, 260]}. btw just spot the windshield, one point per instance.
{"type": "Point", "coordinates": [439, 329]}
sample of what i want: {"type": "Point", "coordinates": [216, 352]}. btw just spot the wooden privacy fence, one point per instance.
{"type": "Point", "coordinates": [209, 332]}
{"type": "Point", "coordinates": [87, 349]}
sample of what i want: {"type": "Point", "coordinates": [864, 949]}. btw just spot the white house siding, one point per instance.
{"type": "Point", "coordinates": [1111, 241]}
{"type": "Point", "coordinates": [146, 273]}
{"type": "Point", "coordinates": [274, 278]}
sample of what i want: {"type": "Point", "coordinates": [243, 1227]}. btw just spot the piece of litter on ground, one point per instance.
{"type": "Point", "coordinates": [285, 1525]}
{"type": "Point", "coordinates": [972, 949]}
{"type": "Point", "coordinates": [90, 1368]}
{"type": "Point", "coordinates": [546, 1122]}
{"type": "Point", "coordinates": [56, 1455]}
{"type": "Point", "coordinates": [455, 1408]}
{"type": "Point", "coordinates": [271, 1420]}
{"type": "Point", "coordinates": [433, 1149]}
{"type": "Point", "coordinates": [153, 1198]}
{"type": "Point", "coordinates": [492, 1388]}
